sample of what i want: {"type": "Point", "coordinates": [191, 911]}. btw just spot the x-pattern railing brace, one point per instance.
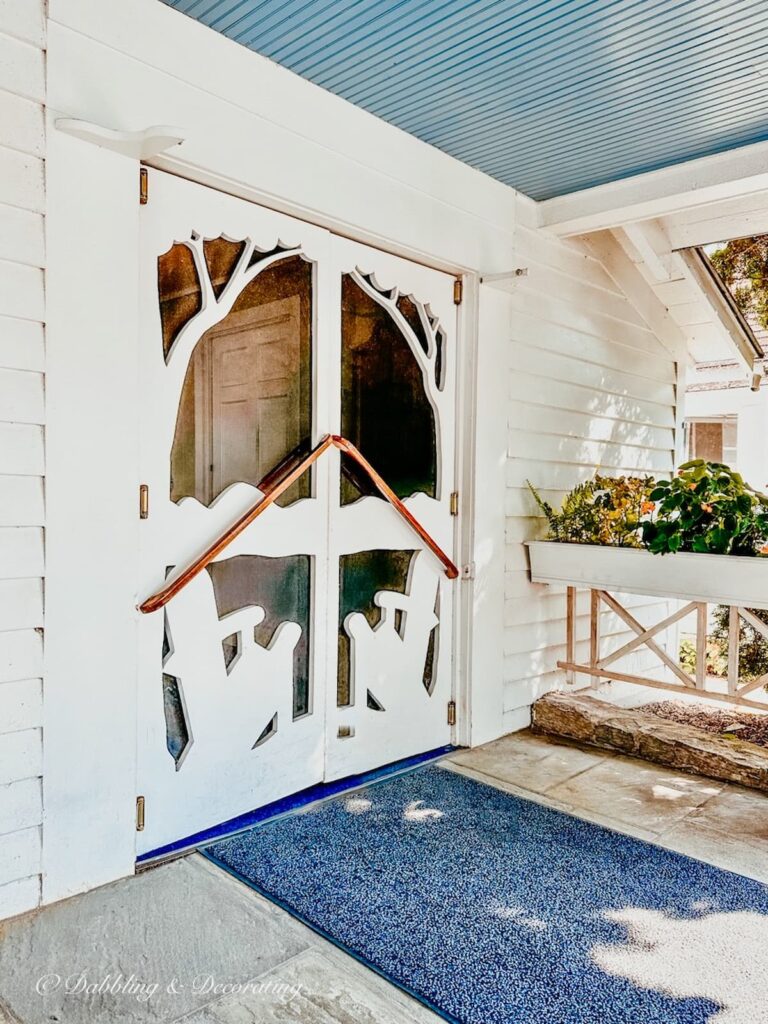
{"type": "Point", "coordinates": [600, 666]}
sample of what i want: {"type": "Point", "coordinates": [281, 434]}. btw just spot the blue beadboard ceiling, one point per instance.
{"type": "Point", "coordinates": [550, 96]}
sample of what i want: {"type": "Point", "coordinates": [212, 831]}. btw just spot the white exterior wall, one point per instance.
{"type": "Point", "coordinates": [590, 387]}
{"type": "Point", "coordinates": [22, 402]}
{"type": "Point", "coordinates": [568, 374]}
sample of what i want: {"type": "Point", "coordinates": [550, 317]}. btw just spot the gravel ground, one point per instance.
{"type": "Point", "coordinates": [746, 725]}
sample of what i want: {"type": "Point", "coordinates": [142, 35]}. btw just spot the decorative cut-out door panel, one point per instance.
{"type": "Point", "coordinates": [390, 598]}
{"type": "Point", "coordinates": [232, 698]}
{"type": "Point", "coordinates": [319, 642]}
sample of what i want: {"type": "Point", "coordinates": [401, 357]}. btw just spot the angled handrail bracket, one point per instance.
{"type": "Point", "coordinates": [272, 486]}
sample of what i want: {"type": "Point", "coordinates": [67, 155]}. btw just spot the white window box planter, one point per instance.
{"type": "Point", "coordinates": [715, 579]}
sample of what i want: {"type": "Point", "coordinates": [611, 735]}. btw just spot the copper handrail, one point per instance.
{"type": "Point", "coordinates": [273, 485]}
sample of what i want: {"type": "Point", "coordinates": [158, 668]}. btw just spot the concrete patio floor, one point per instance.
{"type": "Point", "coordinates": [170, 944]}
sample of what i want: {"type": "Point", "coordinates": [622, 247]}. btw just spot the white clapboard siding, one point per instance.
{"type": "Point", "coordinates": [19, 896]}
{"type": "Point", "coordinates": [547, 281]}
{"type": "Point", "coordinates": [519, 637]}
{"type": "Point", "coordinates": [590, 388]}
{"type": "Point", "coordinates": [22, 68]}
{"type": "Point", "coordinates": [22, 396]}
{"type": "Point", "coordinates": [565, 341]}
{"type": "Point", "coordinates": [22, 291]}
{"type": "Point", "coordinates": [583, 425]}
{"type": "Point", "coordinates": [25, 20]}
{"type": "Point", "coordinates": [21, 654]}
{"type": "Point", "coordinates": [21, 501]}
{"type": "Point", "coordinates": [23, 179]}
{"type": "Point", "coordinates": [21, 124]}
{"type": "Point", "coordinates": [21, 755]}
{"type": "Point", "coordinates": [587, 319]}
{"type": "Point", "coordinates": [563, 394]}
{"type": "Point", "coordinates": [22, 451]}
{"type": "Point", "coordinates": [19, 855]}
{"type": "Point", "coordinates": [606, 454]}
{"type": "Point", "coordinates": [22, 344]}
{"type": "Point", "coordinates": [22, 236]}
{"type": "Point", "coordinates": [528, 358]}
{"type": "Point", "coordinates": [557, 475]}
{"type": "Point", "coordinates": [21, 552]}
{"type": "Point", "coordinates": [21, 604]}
{"type": "Point", "coordinates": [20, 805]}
{"type": "Point", "coordinates": [21, 705]}
{"type": "Point", "coordinates": [545, 251]}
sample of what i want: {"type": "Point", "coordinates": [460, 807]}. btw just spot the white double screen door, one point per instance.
{"type": "Point", "coordinates": [319, 643]}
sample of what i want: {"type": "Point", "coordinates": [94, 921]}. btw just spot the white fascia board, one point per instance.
{"type": "Point", "coordinates": [659, 193]}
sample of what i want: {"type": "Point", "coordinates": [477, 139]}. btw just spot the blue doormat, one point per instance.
{"type": "Point", "coordinates": [491, 909]}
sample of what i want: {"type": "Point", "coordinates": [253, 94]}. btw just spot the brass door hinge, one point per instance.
{"type": "Point", "coordinates": [140, 807]}
{"type": "Point", "coordinates": [143, 186]}
{"type": "Point", "coordinates": [458, 291]}
{"type": "Point", "coordinates": [451, 712]}
{"type": "Point", "coordinates": [454, 503]}
{"type": "Point", "coordinates": [143, 501]}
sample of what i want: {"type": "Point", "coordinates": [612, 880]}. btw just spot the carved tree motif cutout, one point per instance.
{"type": "Point", "coordinates": [222, 255]}
{"type": "Point", "coordinates": [414, 313]}
{"type": "Point", "coordinates": [246, 398]}
{"type": "Point", "coordinates": [389, 357]}
{"type": "Point", "coordinates": [374, 704]}
{"type": "Point", "coordinates": [199, 281]}
{"type": "Point", "coordinates": [430, 662]}
{"type": "Point", "coordinates": [177, 731]}
{"type": "Point", "coordinates": [180, 293]}
{"type": "Point", "coordinates": [440, 359]}
{"type": "Point", "coordinates": [269, 730]}
{"type": "Point", "coordinates": [167, 644]}
{"type": "Point", "coordinates": [230, 647]}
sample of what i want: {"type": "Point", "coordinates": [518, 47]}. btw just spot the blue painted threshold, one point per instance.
{"type": "Point", "coordinates": [312, 794]}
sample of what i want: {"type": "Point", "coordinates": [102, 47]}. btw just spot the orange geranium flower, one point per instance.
{"type": "Point", "coordinates": [647, 506]}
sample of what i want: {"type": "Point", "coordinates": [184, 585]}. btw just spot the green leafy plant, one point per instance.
{"type": "Point", "coordinates": [603, 510]}
{"type": "Point", "coordinates": [707, 507]}
{"type": "Point", "coordinates": [753, 647]}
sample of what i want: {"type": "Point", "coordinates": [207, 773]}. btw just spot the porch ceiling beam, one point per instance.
{"type": "Point", "coordinates": [670, 190]}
